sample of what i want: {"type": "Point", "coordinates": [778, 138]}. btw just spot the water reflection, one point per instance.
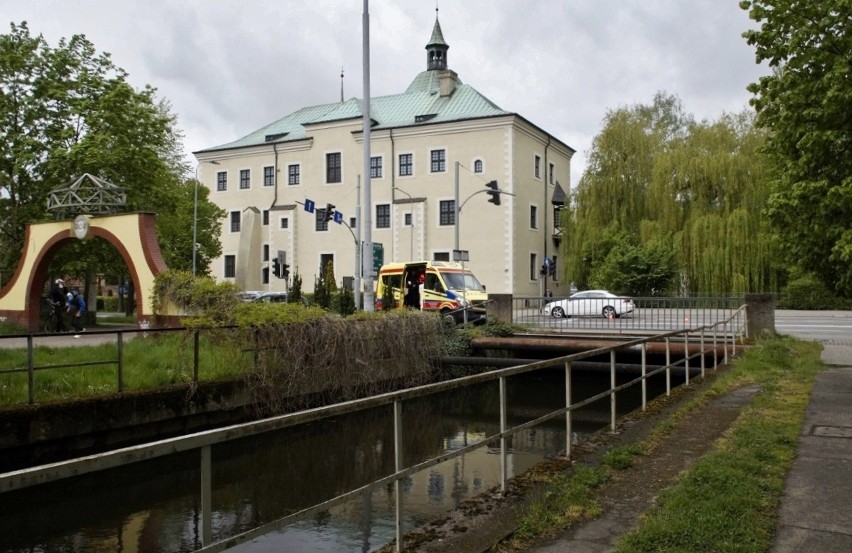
{"type": "Point", "coordinates": [154, 506]}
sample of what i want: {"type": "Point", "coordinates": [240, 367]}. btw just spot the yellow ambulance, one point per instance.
{"type": "Point", "coordinates": [439, 286]}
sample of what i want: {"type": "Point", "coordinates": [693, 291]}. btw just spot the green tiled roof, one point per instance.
{"type": "Point", "coordinates": [420, 104]}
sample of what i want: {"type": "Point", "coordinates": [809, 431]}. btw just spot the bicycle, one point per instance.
{"type": "Point", "coordinates": [49, 317]}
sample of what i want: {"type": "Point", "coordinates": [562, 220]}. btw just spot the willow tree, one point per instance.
{"type": "Point", "coordinates": [684, 191]}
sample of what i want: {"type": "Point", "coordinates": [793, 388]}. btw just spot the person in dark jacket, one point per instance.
{"type": "Point", "coordinates": [77, 306]}
{"type": "Point", "coordinates": [57, 302]}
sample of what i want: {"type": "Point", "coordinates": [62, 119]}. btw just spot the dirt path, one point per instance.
{"type": "Point", "coordinates": [482, 523]}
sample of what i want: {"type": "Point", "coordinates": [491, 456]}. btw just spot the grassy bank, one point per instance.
{"type": "Point", "coordinates": [728, 501]}
{"type": "Point", "coordinates": [149, 362]}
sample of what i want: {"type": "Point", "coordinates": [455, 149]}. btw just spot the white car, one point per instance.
{"type": "Point", "coordinates": [590, 303]}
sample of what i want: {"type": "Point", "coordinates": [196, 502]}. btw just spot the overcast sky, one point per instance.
{"type": "Point", "coordinates": [229, 67]}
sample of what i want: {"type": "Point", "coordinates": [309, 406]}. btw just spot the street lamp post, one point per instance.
{"type": "Point", "coordinates": [411, 227]}
{"type": "Point", "coordinates": [195, 215]}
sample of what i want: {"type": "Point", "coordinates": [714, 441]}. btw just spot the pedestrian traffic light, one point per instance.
{"type": "Point", "coordinates": [494, 192]}
{"type": "Point", "coordinates": [276, 267]}
{"type": "Point", "coordinates": [329, 212]}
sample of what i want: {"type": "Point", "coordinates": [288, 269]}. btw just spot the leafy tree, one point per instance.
{"type": "Point", "coordinates": [663, 192]}
{"type": "Point", "coordinates": [805, 103]}
{"type": "Point", "coordinates": [295, 293]}
{"type": "Point", "coordinates": [68, 110]}
{"type": "Point", "coordinates": [636, 270]}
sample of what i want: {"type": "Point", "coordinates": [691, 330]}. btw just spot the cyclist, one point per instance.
{"type": "Point", "coordinates": [57, 301]}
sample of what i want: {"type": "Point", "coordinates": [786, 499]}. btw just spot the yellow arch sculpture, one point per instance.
{"type": "Point", "coordinates": [133, 235]}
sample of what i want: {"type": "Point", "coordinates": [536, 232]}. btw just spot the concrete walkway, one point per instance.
{"type": "Point", "coordinates": [815, 510]}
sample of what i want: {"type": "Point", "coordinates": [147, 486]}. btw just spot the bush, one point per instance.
{"type": "Point", "coordinates": [809, 293]}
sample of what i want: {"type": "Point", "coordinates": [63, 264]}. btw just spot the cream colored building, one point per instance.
{"type": "Point", "coordinates": [418, 139]}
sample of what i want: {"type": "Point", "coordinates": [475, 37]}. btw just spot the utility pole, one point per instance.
{"type": "Point", "coordinates": [368, 199]}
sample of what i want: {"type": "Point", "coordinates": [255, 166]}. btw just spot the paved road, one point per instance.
{"type": "Point", "coordinates": [89, 338]}
{"type": "Point", "coordinates": [828, 327]}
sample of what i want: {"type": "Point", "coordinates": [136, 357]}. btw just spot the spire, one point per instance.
{"type": "Point", "coordinates": [341, 85]}
{"type": "Point", "coordinates": [436, 50]}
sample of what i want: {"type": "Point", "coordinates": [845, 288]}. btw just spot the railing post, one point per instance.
{"type": "Point", "coordinates": [686, 357]}
{"type": "Point", "coordinates": [668, 367]}
{"type": "Point", "coordinates": [397, 449]}
{"type": "Point", "coordinates": [504, 465]}
{"type": "Point", "coordinates": [715, 353]}
{"type": "Point", "coordinates": [206, 496]}
{"type": "Point", "coordinates": [734, 337]}
{"type": "Point", "coordinates": [702, 352]}
{"type": "Point", "coordinates": [612, 390]}
{"type": "Point", "coordinates": [120, 348]}
{"type": "Point", "coordinates": [30, 370]}
{"type": "Point", "coordinates": [644, 381]}
{"type": "Point", "coordinates": [195, 356]}
{"type": "Point", "coordinates": [568, 432]}
{"type": "Point", "coordinates": [725, 342]}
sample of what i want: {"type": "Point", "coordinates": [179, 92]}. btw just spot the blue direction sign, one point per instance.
{"type": "Point", "coordinates": [338, 217]}
{"type": "Point", "coordinates": [309, 205]}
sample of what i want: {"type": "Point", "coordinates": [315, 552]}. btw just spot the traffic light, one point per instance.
{"type": "Point", "coordinates": [543, 271]}
{"type": "Point", "coordinates": [551, 268]}
{"type": "Point", "coordinates": [494, 192]}
{"type": "Point", "coordinates": [329, 212]}
{"type": "Point", "coordinates": [285, 271]}
{"type": "Point", "coordinates": [276, 267]}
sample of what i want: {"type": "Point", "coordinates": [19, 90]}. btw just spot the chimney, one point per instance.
{"type": "Point", "coordinates": [447, 80]}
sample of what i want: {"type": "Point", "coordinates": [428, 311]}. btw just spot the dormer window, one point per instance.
{"type": "Point", "coordinates": [422, 118]}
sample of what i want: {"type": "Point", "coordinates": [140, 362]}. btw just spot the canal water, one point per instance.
{"type": "Point", "coordinates": [154, 506]}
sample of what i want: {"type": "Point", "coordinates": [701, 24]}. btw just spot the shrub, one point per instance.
{"type": "Point", "coordinates": [808, 293]}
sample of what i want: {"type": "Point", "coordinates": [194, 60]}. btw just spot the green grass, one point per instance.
{"type": "Point", "coordinates": [158, 360]}
{"type": "Point", "coordinates": [728, 501]}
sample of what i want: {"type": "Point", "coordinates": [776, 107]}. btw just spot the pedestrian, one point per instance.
{"type": "Point", "coordinates": [77, 308]}
{"type": "Point", "coordinates": [57, 302]}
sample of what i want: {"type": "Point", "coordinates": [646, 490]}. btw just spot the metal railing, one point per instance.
{"type": "Point", "coordinates": [696, 344]}
{"type": "Point", "coordinates": [651, 314]}
{"type": "Point", "coordinates": [121, 337]}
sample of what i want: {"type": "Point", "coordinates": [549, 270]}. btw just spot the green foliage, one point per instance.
{"type": "Point", "coordinates": [664, 196]}
{"type": "Point", "coordinates": [728, 501]}
{"type": "Point", "coordinates": [295, 293]}
{"type": "Point", "coordinates": [322, 289]}
{"type": "Point", "coordinates": [621, 458]}
{"type": "Point", "coordinates": [636, 270]}
{"type": "Point", "coordinates": [200, 297]}
{"type": "Point", "coordinates": [805, 104]}
{"type": "Point", "coordinates": [67, 110]}
{"type": "Point", "coordinates": [809, 293]}
{"type": "Point", "coordinates": [569, 499]}
{"type": "Point", "coordinates": [345, 301]}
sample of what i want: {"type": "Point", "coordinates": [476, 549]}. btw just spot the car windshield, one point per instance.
{"type": "Point", "coordinates": [462, 281]}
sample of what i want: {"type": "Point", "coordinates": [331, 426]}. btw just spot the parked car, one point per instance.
{"type": "Point", "coordinates": [271, 297]}
{"type": "Point", "coordinates": [590, 303]}
{"type": "Point", "coordinates": [250, 295]}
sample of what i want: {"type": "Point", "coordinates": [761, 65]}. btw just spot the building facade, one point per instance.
{"type": "Point", "coordinates": [438, 137]}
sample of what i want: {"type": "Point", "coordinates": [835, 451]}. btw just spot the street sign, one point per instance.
{"type": "Point", "coordinates": [309, 205]}
{"type": "Point", "coordinates": [378, 256]}
{"type": "Point", "coordinates": [461, 255]}
{"type": "Point", "coordinates": [338, 217]}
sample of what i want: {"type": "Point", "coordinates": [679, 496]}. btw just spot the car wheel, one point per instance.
{"type": "Point", "coordinates": [609, 312]}
{"type": "Point", "coordinates": [558, 312]}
